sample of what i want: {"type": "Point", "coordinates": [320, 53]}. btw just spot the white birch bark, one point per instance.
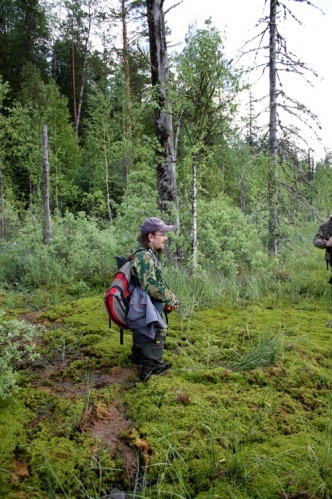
{"type": "Point", "coordinates": [47, 211]}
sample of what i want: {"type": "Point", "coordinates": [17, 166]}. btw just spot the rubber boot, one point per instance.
{"type": "Point", "coordinates": [136, 355]}
{"type": "Point", "coordinates": [153, 368]}
{"type": "Point", "coordinates": [152, 356]}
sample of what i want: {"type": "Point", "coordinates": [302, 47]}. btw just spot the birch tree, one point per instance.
{"type": "Point", "coordinates": [46, 169]}
{"type": "Point", "coordinates": [3, 92]}
{"type": "Point", "coordinates": [206, 91]}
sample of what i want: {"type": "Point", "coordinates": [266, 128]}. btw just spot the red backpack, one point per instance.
{"type": "Point", "coordinates": [117, 297]}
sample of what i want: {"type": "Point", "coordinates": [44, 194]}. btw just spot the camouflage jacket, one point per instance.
{"type": "Point", "coordinates": [147, 270]}
{"type": "Point", "coordinates": [323, 234]}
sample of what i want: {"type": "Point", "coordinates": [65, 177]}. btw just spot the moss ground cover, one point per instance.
{"type": "Point", "coordinates": [244, 412]}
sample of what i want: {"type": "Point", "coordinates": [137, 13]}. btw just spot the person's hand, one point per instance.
{"type": "Point", "coordinates": [329, 242]}
{"type": "Point", "coordinates": [169, 308]}
{"type": "Point", "coordinates": [176, 304]}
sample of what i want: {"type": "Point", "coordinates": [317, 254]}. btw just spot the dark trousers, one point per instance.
{"type": "Point", "coordinates": [147, 351]}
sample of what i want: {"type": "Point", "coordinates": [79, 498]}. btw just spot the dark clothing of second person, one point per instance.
{"type": "Point", "coordinates": [323, 235]}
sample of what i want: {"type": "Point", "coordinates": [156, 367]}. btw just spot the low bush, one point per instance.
{"type": "Point", "coordinates": [17, 345]}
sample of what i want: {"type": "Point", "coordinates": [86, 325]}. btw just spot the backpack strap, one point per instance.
{"type": "Point", "coordinates": [120, 260]}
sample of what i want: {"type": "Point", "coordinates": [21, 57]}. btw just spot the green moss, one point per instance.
{"type": "Point", "coordinates": [216, 432]}
{"type": "Point", "coordinates": [14, 418]}
{"type": "Point", "coordinates": [244, 409]}
{"type": "Point", "coordinates": [60, 465]}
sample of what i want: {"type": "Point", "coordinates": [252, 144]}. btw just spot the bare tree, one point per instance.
{"type": "Point", "coordinates": [273, 142]}
{"type": "Point", "coordinates": [166, 167]}
{"type": "Point", "coordinates": [280, 60]}
{"type": "Point", "coordinates": [79, 29]}
{"type": "Point", "coordinates": [91, 6]}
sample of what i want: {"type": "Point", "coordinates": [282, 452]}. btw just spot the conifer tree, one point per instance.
{"type": "Point", "coordinates": [24, 37]}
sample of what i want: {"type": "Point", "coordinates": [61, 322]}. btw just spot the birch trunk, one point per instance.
{"type": "Point", "coordinates": [47, 211]}
{"type": "Point", "coordinates": [73, 69]}
{"type": "Point", "coordinates": [194, 214]}
{"type": "Point", "coordinates": [108, 197]}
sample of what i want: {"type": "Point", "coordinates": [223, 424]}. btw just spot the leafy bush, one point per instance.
{"type": "Point", "coordinates": [17, 343]}
{"type": "Point", "coordinates": [227, 240]}
{"type": "Point", "coordinates": [81, 250]}
{"type": "Point", "coordinates": [86, 248]}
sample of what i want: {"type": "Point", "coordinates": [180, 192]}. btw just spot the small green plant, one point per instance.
{"type": "Point", "coordinates": [16, 344]}
{"type": "Point", "coordinates": [266, 352]}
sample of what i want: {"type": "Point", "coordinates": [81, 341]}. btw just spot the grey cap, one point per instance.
{"type": "Point", "coordinates": [153, 224]}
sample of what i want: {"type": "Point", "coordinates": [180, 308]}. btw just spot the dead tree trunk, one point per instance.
{"type": "Point", "coordinates": [166, 177]}
{"type": "Point", "coordinates": [84, 70]}
{"type": "Point", "coordinates": [108, 196]}
{"type": "Point", "coordinates": [47, 211]}
{"type": "Point", "coordinates": [194, 213]}
{"type": "Point", "coordinates": [273, 141]}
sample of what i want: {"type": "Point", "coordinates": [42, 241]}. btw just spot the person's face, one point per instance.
{"type": "Point", "coordinates": [157, 241]}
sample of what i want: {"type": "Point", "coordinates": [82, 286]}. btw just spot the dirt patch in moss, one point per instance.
{"type": "Point", "coordinates": [53, 379]}
{"type": "Point", "coordinates": [106, 423]}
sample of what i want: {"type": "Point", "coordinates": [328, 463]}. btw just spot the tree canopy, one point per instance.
{"type": "Point", "coordinates": [123, 113]}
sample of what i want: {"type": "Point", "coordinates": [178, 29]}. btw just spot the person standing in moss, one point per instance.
{"type": "Point", "coordinates": [323, 240]}
{"type": "Point", "coordinates": [146, 269]}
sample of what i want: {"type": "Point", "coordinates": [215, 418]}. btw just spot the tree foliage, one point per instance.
{"type": "Point", "coordinates": [24, 37]}
{"type": "Point", "coordinates": [109, 159]}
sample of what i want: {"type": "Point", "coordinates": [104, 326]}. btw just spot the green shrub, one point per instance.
{"type": "Point", "coordinates": [81, 250]}
{"type": "Point", "coordinates": [17, 344]}
{"type": "Point", "coordinates": [227, 242]}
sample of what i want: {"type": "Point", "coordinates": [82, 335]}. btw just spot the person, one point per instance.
{"type": "Point", "coordinates": [323, 240]}
{"type": "Point", "coordinates": [146, 269]}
